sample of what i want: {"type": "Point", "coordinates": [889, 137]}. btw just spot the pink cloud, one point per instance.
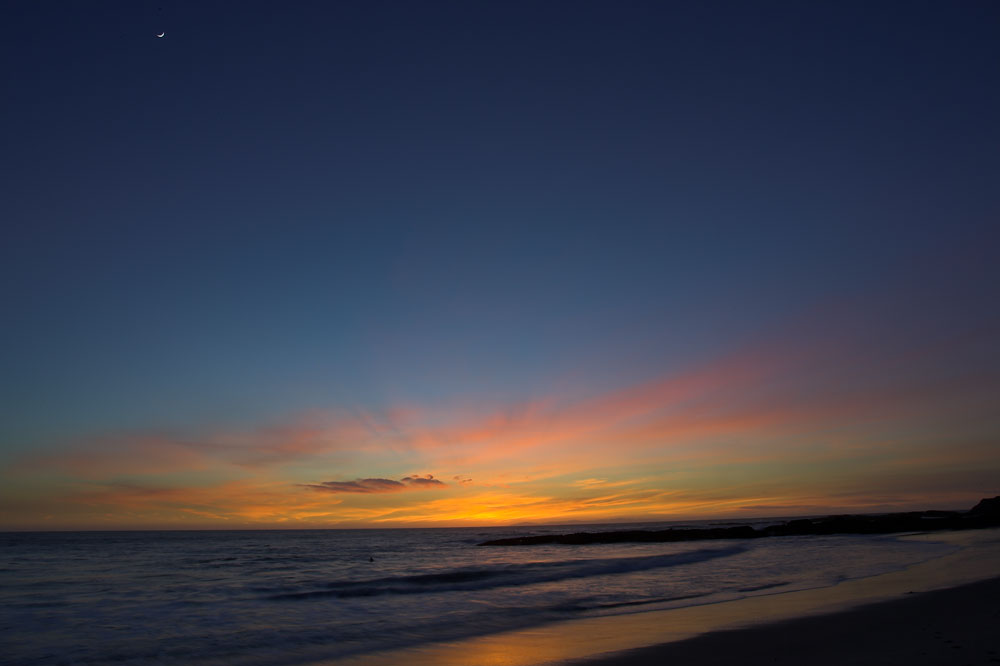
{"type": "Point", "coordinates": [825, 391]}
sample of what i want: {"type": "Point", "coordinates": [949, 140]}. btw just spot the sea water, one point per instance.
{"type": "Point", "coordinates": [291, 597]}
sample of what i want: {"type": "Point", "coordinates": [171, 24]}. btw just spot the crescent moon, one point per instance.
{"type": "Point", "coordinates": [161, 34]}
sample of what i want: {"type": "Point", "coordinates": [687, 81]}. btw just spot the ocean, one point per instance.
{"type": "Point", "coordinates": [279, 598]}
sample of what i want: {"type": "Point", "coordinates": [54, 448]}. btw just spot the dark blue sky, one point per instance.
{"type": "Point", "coordinates": [285, 207]}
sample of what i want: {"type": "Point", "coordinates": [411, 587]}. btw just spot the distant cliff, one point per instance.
{"type": "Point", "coordinates": [984, 514]}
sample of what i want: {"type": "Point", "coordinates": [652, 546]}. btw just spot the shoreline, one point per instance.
{"type": "Point", "coordinates": [624, 639]}
{"type": "Point", "coordinates": [950, 626]}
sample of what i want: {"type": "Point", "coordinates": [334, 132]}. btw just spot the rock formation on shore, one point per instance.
{"type": "Point", "coordinates": [984, 514]}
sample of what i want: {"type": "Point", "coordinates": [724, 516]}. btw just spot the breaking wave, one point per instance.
{"type": "Point", "coordinates": [504, 575]}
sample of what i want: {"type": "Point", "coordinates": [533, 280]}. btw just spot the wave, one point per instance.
{"type": "Point", "coordinates": [765, 586]}
{"type": "Point", "coordinates": [587, 605]}
{"type": "Point", "coordinates": [504, 575]}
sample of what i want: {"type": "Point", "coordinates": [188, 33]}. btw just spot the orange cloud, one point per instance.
{"type": "Point", "coordinates": [831, 413]}
{"type": "Point", "coordinates": [241, 503]}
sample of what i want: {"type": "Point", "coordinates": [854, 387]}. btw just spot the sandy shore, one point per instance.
{"type": "Point", "coordinates": [953, 626]}
{"type": "Point", "coordinates": [943, 611]}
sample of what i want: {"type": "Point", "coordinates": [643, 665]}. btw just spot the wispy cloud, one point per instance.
{"type": "Point", "coordinates": [604, 483]}
{"type": "Point", "coordinates": [798, 421]}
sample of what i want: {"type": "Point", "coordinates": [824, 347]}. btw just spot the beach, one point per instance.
{"type": "Point", "coordinates": [952, 626]}
{"type": "Point", "coordinates": [942, 611]}
{"type": "Point", "coordinates": [432, 597]}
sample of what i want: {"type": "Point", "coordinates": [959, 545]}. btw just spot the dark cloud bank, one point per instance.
{"type": "Point", "coordinates": [427, 482]}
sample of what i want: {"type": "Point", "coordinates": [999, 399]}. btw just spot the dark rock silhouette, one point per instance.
{"type": "Point", "coordinates": [987, 508]}
{"type": "Point", "coordinates": [631, 536]}
{"type": "Point", "coordinates": [984, 514]}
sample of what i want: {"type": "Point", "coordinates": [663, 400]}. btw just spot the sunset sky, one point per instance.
{"type": "Point", "coordinates": [387, 264]}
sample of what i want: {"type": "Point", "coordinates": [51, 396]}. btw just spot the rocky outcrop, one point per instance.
{"type": "Point", "coordinates": [984, 514]}
{"type": "Point", "coordinates": [631, 536]}
{"type": "Point", "coordinates": [987, 508]}
{"type": "Point", "coordinates": [917, 521]}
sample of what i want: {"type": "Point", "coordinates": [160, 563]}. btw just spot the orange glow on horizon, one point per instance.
{"type": "Point", "coordinates": [734, 437]}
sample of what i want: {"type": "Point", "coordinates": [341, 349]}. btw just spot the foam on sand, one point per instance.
{"type": "Point", "coordinates": [977, 560]}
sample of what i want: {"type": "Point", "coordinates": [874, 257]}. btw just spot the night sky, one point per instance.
{"type": "Point", "coordinates": [455, 263]}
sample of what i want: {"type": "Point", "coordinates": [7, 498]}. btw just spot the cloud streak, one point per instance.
{"type": "Point", "coordinates": [811, 415]}
{"type": "Point", "coordinates": [374, 485]}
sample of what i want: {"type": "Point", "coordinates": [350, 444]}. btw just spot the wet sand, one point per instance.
{"type": "Point", "coordinates": [943, 611]}
{"type": "Point", "coordinates": [952, 626]}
